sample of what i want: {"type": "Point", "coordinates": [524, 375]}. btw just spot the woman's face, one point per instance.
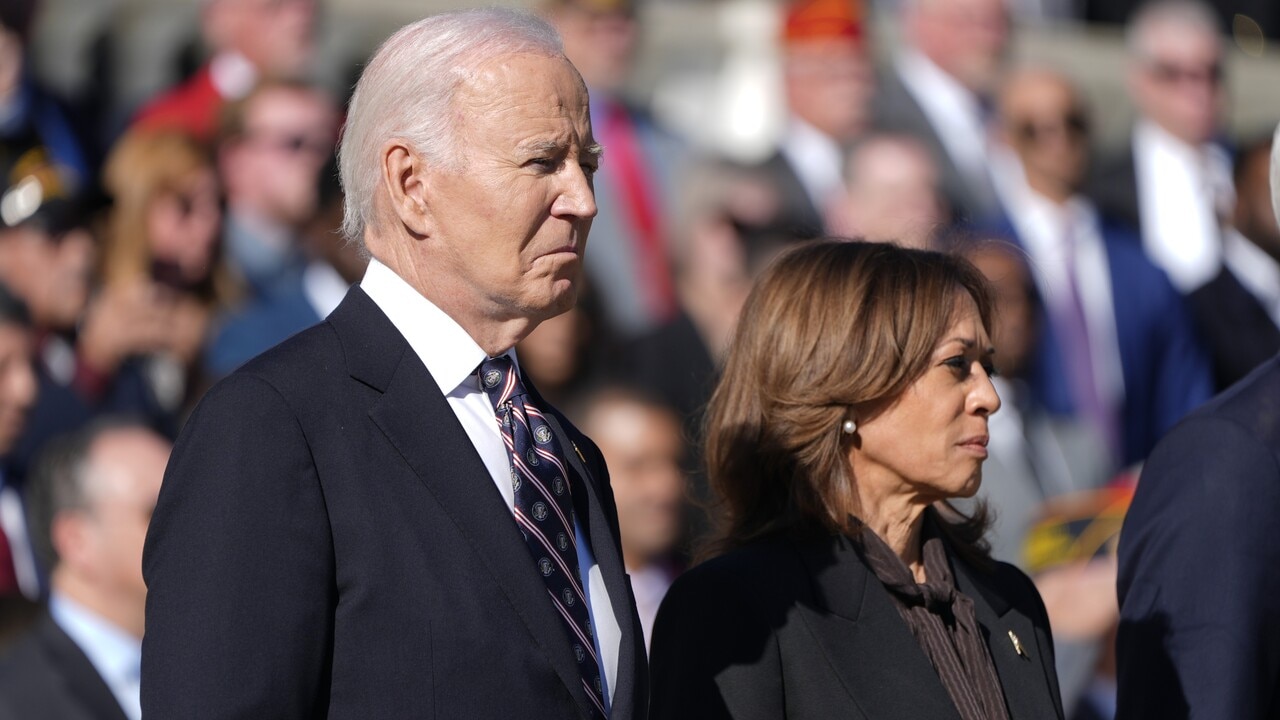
{"type": "Point", "coordinates": [932, 440]}
{"type": "Point", "coordinates": [183, 225]}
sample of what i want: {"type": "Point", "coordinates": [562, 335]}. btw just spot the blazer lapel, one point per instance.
{"type": "Point", "coordinates": [1022, 674]}
{"type": "Point", "coordinates": [866, 641]}
{"type": "Point", "coordinates": [606, 549]}
{"type": "Point", "coordinates": [82, 679]}
{"type": "Point", "coordinates": [419, 423]}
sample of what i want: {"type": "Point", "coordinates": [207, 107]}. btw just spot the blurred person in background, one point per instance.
{"type": "Point", "coordinates": [941, 88]}
{"type": "Point", "coordinates": [162, 279]}
{"type": "Point", "coordinates": [891, 194]}
{"type": "Point", "coordinates": [1118, 350]}
{"type": "Point", "coordinates": [1198, 588]}
{"type": "Point", "coordinates": [854, 405]}
{"type": "Point", "coordinates": [90, 499]}
{"type": "Point", "coordinates": [827, 80]}
{"type": "Point", "coordinates": [249, 40]}
{"type": "Point", "coordinates": [304, 299]}
{"type": "Point", "coordinates": [18, 388]}
{"type": "Point", "coordinates": [641, 440]}
{"type": "Point", "coordinates": [30, 116]}
{"type": "Point", "coordinates": [1037, 457]}
{"type": "Point", "coordinates": [563, 355]}
{"type": "Point", "coordinates": [1238, 312]}
{"type": "Point", "coordinates": [630, 261]}
{"type": "Point", "coordinates": [274, 146]}
{"type": "Point", "coordinates": [1172, 183]}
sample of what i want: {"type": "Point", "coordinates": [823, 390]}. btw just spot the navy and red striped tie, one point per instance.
{"type": "Point", "coordinates": [544, 511]}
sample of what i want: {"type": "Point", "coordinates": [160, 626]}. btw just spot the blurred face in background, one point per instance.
{"type": "Point", "coordinates": [1045, 123]}
{"type": "Point", "coordinates": [967, 39]}
{"type": "Point", "coordinates": [892, 194]}
{"type": "Point", "coordinates": [1177, 79]}
{"type": "Point", "coordinates": [829, 84]}
{"type": "Point", "coordinates": [1254, 215]}
{"type": "Point", "coordinates": [1014, 329]}
{"type": "Point", "coordinates": [642, 446]}
{"type": "Point", "coordinates": [277, 36]}
{"type": "Point", "coordinates": [183, 226]}
{"type": "Point", "coordinates": [272, 168]}
{"type": "Point", "coordinates": [600, 42]}
{"type": "Point", "coordinates": [17, 382]}
{"type": "Point", "coordinates": [48, 272]}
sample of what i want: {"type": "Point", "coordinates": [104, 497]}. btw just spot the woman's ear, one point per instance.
{"type": "Point", "coordinates": [405, 177]}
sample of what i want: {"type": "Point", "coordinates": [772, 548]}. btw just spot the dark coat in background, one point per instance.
{"type": "Point", "coordinates": [45, 676]}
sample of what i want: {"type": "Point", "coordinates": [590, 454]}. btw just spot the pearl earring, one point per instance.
{"type": "Point", "coordinates": [850, 427]}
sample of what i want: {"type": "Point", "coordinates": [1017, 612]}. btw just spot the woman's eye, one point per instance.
{"type": "Point", "coordinates": [958, 362]}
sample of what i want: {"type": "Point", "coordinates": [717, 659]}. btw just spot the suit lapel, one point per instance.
{"type": "Point", "coordinates": [82, 679]}
{"type": "Point", "coordinates": [867, 642]}
{"type": "Point", "coordinates": [417, 420]}
{"type": "Point", "coordinates": [1022, 675]}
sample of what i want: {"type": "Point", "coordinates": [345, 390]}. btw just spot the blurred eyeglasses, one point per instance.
{"type": "Point", "coordinates": [291, 143]}
{"type": "Point", "coordinates": [1170, 73]}
{"type": "Point", "coordinates": [1073, 124]}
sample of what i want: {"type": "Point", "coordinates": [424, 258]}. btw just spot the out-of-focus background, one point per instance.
{"type": "Point", "coordinates": [169, 209]}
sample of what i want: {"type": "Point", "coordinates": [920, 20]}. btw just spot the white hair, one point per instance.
{"type": "Point", "coordinates": [407, 91]}
{"type": "Point", "coordinates": [1275, 174]}
{"type": "Point", "coordinates": [1156, 13]}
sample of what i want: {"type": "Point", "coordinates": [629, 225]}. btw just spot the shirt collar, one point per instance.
{"type": "Point", "coordinates": [933, 88]}
{"type": "Point", "coordinates": [114, 653]}
{"type": "Point", "coordinates": [445, 348]}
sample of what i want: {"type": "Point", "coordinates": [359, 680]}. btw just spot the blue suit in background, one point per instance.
{"type": "Point", "coordinates": [1199, 580]}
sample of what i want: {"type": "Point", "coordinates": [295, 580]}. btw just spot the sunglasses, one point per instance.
{"type": "Point", "coordinates": [1168, 73]}
{"type": "Point", "coordinates": [1074, 124]}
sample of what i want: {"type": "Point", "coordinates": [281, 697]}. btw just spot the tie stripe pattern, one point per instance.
{"type": "Point", "coordinates": [544, 511]}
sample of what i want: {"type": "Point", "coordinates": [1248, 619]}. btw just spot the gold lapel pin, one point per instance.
{"type": "Point", "coordinates": [575, 449]}
{"type": "Point", "coordinates": [1017, 645]}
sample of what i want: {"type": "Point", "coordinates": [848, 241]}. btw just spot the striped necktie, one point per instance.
{"type": "Point", "coordinates": [544, 511]}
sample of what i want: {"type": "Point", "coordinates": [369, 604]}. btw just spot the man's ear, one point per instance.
{"type": "Point", "coordinates": [405, 178]}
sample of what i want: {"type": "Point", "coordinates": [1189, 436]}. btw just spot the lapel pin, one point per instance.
{"type": "Point", "coordinates": [1017, 645]}
{"type": "Point", "coordinates": [575, 449]}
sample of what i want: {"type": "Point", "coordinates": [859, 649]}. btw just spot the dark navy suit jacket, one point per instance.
{"type": "Point", "coordinates": [329, 544]}
{"type": "Point", "coordinates": [1166, 371]}
{"type": "Point", "coordinates": [1199, 579]}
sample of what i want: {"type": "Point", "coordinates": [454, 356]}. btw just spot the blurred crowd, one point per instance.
{"type": "Point", "coordinates": [141, 261]}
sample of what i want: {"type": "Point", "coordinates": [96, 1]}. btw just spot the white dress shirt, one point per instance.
{"type": "Point", "coordinates": [452, 357]}
{"type": "Point", "coordinates": [952, 110]}
{"type": "Point", "coordinates": [114, 653]}
{"type": "Point", "coordinates": [817, 161]}
{"type": "Point", "coordinates": [1041, 224]}
{"type": "Point", "coordinates": [1181, 191]}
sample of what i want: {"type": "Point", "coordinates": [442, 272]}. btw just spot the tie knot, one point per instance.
{"type": "Point", "coordinates": [499, 380]}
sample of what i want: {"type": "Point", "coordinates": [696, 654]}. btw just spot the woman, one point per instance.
{"type": "Point", "coordinates": [161, 279]}
{"type": "Point", "coordinates": [853, 405]}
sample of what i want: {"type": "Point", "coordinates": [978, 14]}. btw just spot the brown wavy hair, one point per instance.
{"type": "Point", "coordinates": [831, 325]}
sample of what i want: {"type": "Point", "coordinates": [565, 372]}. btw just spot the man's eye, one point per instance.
{"type": "Point", "coordinates": [589, 169]}
{"type": "Point", "coordinates": [544, 163]}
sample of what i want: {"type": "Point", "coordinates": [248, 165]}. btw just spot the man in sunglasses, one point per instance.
{"type": "Point", "coordinates": [1173, 184]}
{"type": "Point", "coordinates": [275, 145]}
{"type": "Point", "coordinates": [1119, 353]}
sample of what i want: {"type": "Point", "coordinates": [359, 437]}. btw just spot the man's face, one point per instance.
{"type": "Point", "coordinates": [600, 44]}
{"type": "Point", "coordinates": [49, 273]}
{"type": "Point", "coordinates": [642, 447]}
{"type": "Point", "coordinates": [968, 39]}
{"type": "Point", "coordinates": [273, 168]}
{"type": "Point", "coordinates": [1178, 81]}
{"type": "Point", "coordinates": [1046, 125]}
{"type": "Point", "coordinates": [509, 218]}
{"type": "Point", "coordinates": [278, 36]}
{"type": "Point", "coordinates": [893, 195]}
{"type": "Point", "coordinates": [126, 468]}
{"type": "Point", "coordinates": [17, 383]}
{"type": "Point", "coordinates": [829, 84]}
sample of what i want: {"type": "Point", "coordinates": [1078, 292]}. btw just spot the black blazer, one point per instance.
{"type": "Point", "coordinates": [802, 629]}
{"type": "Point", "coordinates": [328, 544]}
{"type": "Point", "coordinates": [45, 676]}
{"type": "Point", "coordinates": [1198, 583]}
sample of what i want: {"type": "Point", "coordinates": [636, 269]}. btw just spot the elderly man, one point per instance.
{"type": "Point", "coordinates": [380, 518]}
{"type": "Point", "coordinates": [1199, 592]}
{"type": "Point", "coordinates": [1173, 183]}
{"type": "Point", "coordinates": [90, 499]}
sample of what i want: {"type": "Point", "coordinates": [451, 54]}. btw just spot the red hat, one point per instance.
{"type": "Point", "coordinates": [822, 20]}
